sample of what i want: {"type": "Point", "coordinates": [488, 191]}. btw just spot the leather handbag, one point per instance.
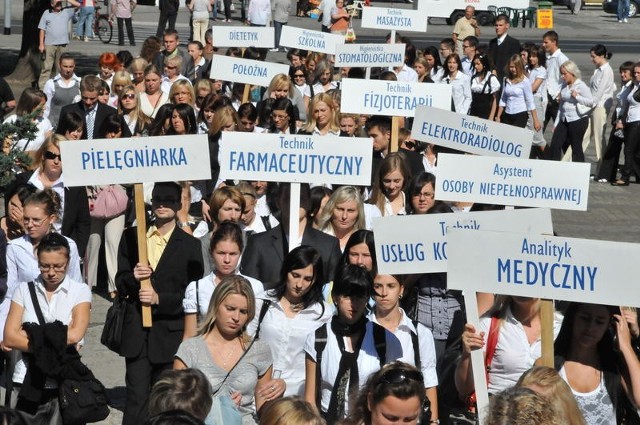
{"type": "Point", "coordinates": [110, 202]}
{"type": "Point", "coordinates": [112, 330]}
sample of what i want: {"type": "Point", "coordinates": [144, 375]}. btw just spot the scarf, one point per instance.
{"type": "Point", "coordinates": [348, 369]}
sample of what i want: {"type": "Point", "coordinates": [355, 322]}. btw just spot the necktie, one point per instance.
{"type": "Point", "coordinates": [91, 118]}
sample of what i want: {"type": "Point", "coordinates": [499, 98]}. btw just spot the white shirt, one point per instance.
{"type": "Point", "coordinates": [539, 73]}
{"type": "Point", "coordinates": [58, 187]}
{"type": "Point", "coordinates": [513, 355]}
{"type": "Point", "coordinates": [388, 208]}
{"type": "Point", "coordinates": [517, 97]}
{"type": "Point", "coordinates": [554, 81]}
{"type": "Point", "coordinates": [50, 89]}
{"type": "Point", "coordinates": [406, 74]}
{"type": "Point", "coordinates": [205, 286]}
{"type": "Point", "coordinates": [478, 85]}
{"type": "Point", "coordinates": [368, 361]}
{"type": "Point", "coordinates": [286, 338]}
{"type": "Point", "coordinates": [631, 106]}
{"type": "Point", "coordinates": [64, 299]}
{"type": "Point", "coordinates": [602, 86]}
{"type": "Point", "coordinates": [425, 344]}
{"type": "Point", "coordinates": [22, 266]}
{"type": "Point", "coordinates": [568, 104]}
{"type": "Point", "coordinates": [258, 225]}
{"type": "Point", "coordinates": [437, 76]}
{"type": "Point", "coordinates": [460, 91]}
{"type": "Point", "coordinates": [166, 84]}
{"type": "Point", "coordinates": [262, 208]}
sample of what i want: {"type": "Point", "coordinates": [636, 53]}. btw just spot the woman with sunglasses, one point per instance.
{"type": "Point", "coordinates": [65, 303]}
{"type": "Point", "coordinates": [298, 75]}
{"type": "Point", "coordinates": [135, 122]}
{"type": "Point", "coordinates": [395, 391]}
{"type": "Point", "coordinates": [73, 220]}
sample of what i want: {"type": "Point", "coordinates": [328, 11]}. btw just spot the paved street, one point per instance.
{"type": "Point", "coordinates": [613, 211]}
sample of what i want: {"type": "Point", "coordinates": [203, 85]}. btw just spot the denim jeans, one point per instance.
{"type": "Point", "coordinates": [84, 27]}
{"type": "Point", "coordinates": [623, 9]}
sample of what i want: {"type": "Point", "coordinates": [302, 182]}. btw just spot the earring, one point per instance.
{"type": "Point", "coordinates": [400, 296]}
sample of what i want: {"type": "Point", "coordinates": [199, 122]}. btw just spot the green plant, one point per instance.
{"type": "Point", "coordinates": [12, 159]}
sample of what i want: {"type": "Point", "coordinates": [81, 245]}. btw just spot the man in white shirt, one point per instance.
{"type": "Point", "coordinates": [555, 58]}
{"type": "Point", "coordinates": [470, 50]}
{"type": "Point", "coordinates": [62, 89]}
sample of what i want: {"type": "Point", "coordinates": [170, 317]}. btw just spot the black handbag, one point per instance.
{"type": "Point", "coordinates": [112, 330]}
{"type": "Point", "coordinates": [83, 399]}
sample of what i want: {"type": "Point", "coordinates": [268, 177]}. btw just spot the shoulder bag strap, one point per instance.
{"type": "Point", "coordinates": [263, 312]}
{"type": "Point", "coordinates": [198, 302]}
{"type": "Point", "coordinates": [380, 341]}
{"type": "Point", "coordinates": [36, 304]}
{"type": "Point", "coordinates": [416, 346]}
{"type": "Point", "coordinates": [320, 344]}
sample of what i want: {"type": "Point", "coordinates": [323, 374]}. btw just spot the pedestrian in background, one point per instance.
{"type": "Point", "coordinates": [84, 26]}
{"type": "Point", "coordinates": [168, 16]}
{"type": "Point", "coordinates": [122, 10]}
{"type": "Point", "coordinates": [200, 18]}
{"type": "Point", "coordinates": [623, 10]}
{"type": "Point", "coordinates": [280, 13]}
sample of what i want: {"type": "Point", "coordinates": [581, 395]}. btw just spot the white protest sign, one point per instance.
{"type": "Point", "coordinates": [315, 41]}
{"type": "Point", "coordinates": [135, 160]}
{"type": "Point", "coordinates": [537, 266]}
{"type": "Point", "coordinates": [245, 71]}
{"type": "Point", "coordinates": [394, 19]}
{"type": "Point", "coordinates": [394, 98]}
{"type": "Point", "coordinates": [296, 158]}
{"type": "Point", "coordinates": [530, 265]}
{"type": "Point", "coordinates": [243, 36]}
{"type": "Point", "coordinates": [369, 55]}
{"type": "Point", "coordinates": [418, 243]}
{"type": "Point", "coordinates": [470, 134]}
{"type": "Point", "coordinates": [508, 181]}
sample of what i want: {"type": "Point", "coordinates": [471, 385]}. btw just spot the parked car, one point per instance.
{"type": "Point", "coordinates": [611, 6]}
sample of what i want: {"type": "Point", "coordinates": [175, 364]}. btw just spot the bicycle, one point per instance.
{"type": "Point", "coordinates": [102, 26]}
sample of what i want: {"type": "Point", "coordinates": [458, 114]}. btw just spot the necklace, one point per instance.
{"type": "Point", "coordinates": [296, 307]}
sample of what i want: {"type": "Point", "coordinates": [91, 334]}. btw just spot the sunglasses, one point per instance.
{"type": "Point", "coordinates": [298, 75]}
{"type": "Point", "coordinates": [398, 376]}
{"type": "Point", "coordinates": [129, 96]}
{"type": "Point", "coordinates": [50, 155]}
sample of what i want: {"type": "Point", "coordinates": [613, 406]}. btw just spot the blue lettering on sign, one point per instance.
{"type": "Point", "coordinates": [539, 273]}
{"type": "Point", "coordinates": [402, 253]}
{"type": "Point", "coordinates": [527, 191]}
{"type": "Point", "coordinates": [249, 70]}
{"type": "Point", "coordinates": [146, 157]}
{"type": "Point", "coordinates": [457, 186]}
{"type": "Point", "coordinates": [469, 138]}
{"type": "Point", "coordinates": [296, 163]}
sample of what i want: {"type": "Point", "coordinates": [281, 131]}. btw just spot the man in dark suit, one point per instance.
{"type": "Point", "coordinates": [265, 252]}
{"type": "Point", "coordinates": [175, 260]}
{"type": "Point", "coordinates": [503, 46]}
{"type": "Point", "coordinates": [94, 112]}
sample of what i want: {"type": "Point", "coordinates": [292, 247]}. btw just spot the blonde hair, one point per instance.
{"type": "Point", "coordinates": [290, 411]}
{"type": "Point", "coordinates": [516, 59]}
{"type": "Point", "coordinates": [179, 85]}
{"type": "Point", "coordinates": [521, 406]}
{"type": "Point", "coordinates": [122, 78]}
{"type": "Point", "coordinates": [341, 195]}
{"type": "Point", "coordinates": [280, 81]}
{"type": "Point", "coordinates": [142, 120]}
{"type": "Point", "coordinates": [548, 383]}
{"type": "Point", "coordinates": [311, 121]}
{"type": "Point", "coordinates": [230, 285]}
{"type": "Point", "coordinates": [223, 117]}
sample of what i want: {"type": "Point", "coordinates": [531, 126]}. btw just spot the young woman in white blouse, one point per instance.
{"type": "Point", "coordinates": [516, 101]}
{"type": "Point", "coordinates": [460, 84]}
{"type": "Point", "coordinates": [484, 89]}
{"type": "Point", "coordinates": [295, 309]}
{"type": "Point", "coordinates": [630, 121]}
{"type": "Point", "coordinates": [602, 87]}
{"type": "Point", "coordinates": [225, 250]}
{"type": "Point", "coordinates": [573, 114]}
{"type": "Point", "coordinates": [387, 292]}
{"type": "Point", "coordinates": [537, 74]}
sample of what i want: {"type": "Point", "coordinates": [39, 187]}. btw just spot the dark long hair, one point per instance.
{"type": "Point", "coordinates": [284, 104]}
{"type": "Point", "coordinates": [361, 236]}
{"type": "Point", "coordinates": [188, 116]}
{"type": "Point", "coordinates": [299, 258]}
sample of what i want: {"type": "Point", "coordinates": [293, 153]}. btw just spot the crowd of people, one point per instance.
{"type": "Point", "coordinates": [252, 327]}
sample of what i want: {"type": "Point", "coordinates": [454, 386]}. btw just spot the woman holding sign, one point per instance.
{"type": "Point", "coordinates": [596, 358]}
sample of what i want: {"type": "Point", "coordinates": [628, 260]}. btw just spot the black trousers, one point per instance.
{"type": "Point", "coordinates": [121, 23]}
{"type": "Point", "coordinates": [631, 144]}
{"type": "Point", "coordinates": [163, 20]}
{"type": "Point", "coordinates": [140, 376]}
{"type": "Point", "coordinates": [227, 9]}
{"type": "Point", "coordinates": [568, 134]}
{"type": "Point", "coordinates": [551, 111]}
{"type": "Point", "coordinates": [517, 120]}
{"type": "Point", "coordinates": [609, 167]}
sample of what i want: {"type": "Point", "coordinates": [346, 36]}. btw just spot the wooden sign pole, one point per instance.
{"type": "Point", "coordinates": [245, 93]}
{"type": "Point", "coordinates": [546, 333]}
{"type": "Point", "coordinates": [141, 221]}
{"type": "Point", "coordinates": [395, 124]}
